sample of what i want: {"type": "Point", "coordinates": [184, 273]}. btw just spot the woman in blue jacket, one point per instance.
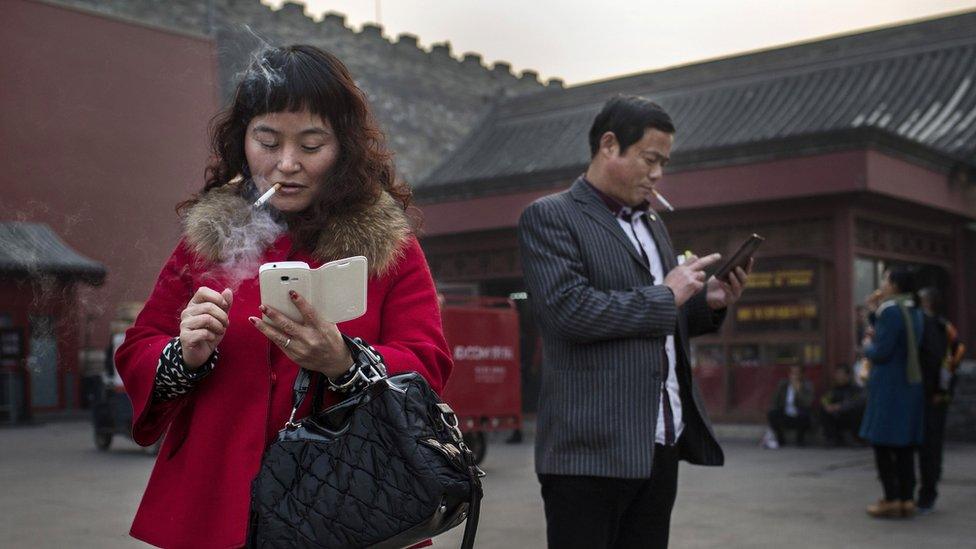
{"type": "Point", "coordinates": [893, 418]}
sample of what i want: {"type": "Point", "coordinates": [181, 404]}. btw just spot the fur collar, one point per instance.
{"type": "Point", "coordinates": [222, 227]}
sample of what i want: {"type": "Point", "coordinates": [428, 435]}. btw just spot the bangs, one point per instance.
{"type": "Point", "coordinates": [279, 80]}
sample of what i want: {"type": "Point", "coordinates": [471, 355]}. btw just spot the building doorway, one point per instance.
{"type": "Point", "coordinates": [42, 363]}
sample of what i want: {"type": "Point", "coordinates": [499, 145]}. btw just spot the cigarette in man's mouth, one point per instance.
{"type": "Point", "coordinates": [663, 200]}
{"type": "Point", "coordinates": [267, 195]}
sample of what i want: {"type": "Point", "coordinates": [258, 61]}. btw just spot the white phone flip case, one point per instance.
{"type": "Point", "coordinates": [337, 290]}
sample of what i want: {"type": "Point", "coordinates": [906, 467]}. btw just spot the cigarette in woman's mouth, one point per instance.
{"type": "Point", "coordinates": [267, 195]}
{"type": "Point", "coordinates": [663, 200]}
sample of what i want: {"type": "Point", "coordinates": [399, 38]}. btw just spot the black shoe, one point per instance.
{"type": "Point", "coordinates": [925, 505]}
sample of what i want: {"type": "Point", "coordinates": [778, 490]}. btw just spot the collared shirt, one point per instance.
{"type": "Point", "coordinates": [791, 409]}
{"type": "Point", "coordinates": [634, 223]}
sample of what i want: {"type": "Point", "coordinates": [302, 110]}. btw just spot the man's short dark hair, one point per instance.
{"type": "Point", "coordinates": [628, 117]}
{"type": "Point", "coordinates": [902, 278]}
{"type": "Point", "coordinates": [931, 293]}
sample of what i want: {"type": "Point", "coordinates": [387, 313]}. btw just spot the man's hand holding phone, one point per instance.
{"type": "Point", "coordinates": [722, 294]}
{"type": "Point", "coordinates": [688, 279]}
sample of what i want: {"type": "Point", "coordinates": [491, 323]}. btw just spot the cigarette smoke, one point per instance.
{"type": "Point", "coordinates": [260, 78]}
{"type": "Point", "coordinates": [245, 236]}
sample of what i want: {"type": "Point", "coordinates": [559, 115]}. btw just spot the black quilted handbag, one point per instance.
{"type": "Point", "coordinates": [384, 468]}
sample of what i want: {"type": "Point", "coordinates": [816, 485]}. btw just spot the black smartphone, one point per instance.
{"type": "Point", "coordinates": [740, 258]}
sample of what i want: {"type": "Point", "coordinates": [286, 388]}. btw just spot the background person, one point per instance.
{"type": "Point", "coordinates": [792, 407]}
{"type": "Point", "coordinates": [842, 408]}
{"type": "Point", "coordinates": [940, 354]}
{"type": "Point", "coordinates": [893, 419]}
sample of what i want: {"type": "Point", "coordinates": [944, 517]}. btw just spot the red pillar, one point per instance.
{"type": "Point", "coordinates": [962, 309]}
{"type": "Point", "coordinates": [840, 315]}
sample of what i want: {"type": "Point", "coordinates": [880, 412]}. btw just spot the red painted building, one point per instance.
{"type": "Point", "coordinates": [104, 130]}
{"type": "Point", "coordinates": [847, 154]}
{"type": "Point", "coordinates": [39, 335]}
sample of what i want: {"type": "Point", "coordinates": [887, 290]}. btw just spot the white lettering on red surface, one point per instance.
{"type": "Point", "coordinates": [489, 374]}
{"type": "Point", "coordinates": [477, 352]}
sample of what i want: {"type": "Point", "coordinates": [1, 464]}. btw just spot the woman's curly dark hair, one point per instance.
{"type": "Point", "coordinates": [296, 78]}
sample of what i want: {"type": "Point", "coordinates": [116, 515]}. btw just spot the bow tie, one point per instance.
{"type": "Point", "coordinates": [630, 214]}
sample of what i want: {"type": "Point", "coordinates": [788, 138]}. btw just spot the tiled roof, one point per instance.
{"type": "Point", "coordinates": [34, 249]}
{"type": "Point", "coordinates": [913, 84]}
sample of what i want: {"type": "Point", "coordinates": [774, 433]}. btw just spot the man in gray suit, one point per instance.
{"type": "Point", "coordinates": [618, 406]}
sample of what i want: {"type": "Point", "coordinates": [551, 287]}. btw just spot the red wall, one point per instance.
{"type": "Point", "coordinates": [894, 177]}
{"type": "Point", "coordinates": [764, 181]}
{"type": "Point", "coordinates": [104, 130]}
{"type": "Point", "coordinates": [825, 174]}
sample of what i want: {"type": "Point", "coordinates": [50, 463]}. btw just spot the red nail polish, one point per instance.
{"type": "Point", "coordinates": [263, 308]}
{"type": "Point", "coordinates": [253, 320]}
{"type": "Point", "coordinates": [293, 294]}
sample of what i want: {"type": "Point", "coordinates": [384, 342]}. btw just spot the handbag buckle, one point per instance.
{"type": "Point", "coordinates": [452, 426]}
{"type": "Point", "coordinates": [367, 358]}
{"type": "Point", "coordinates": [290, 424]}
{"type": "Point", "coordinates": [375, 373]}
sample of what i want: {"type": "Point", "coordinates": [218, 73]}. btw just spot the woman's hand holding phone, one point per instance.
{"type": "Point", "coordinates": [203, 324]}
{"type": "Point", "coordinates": [313, 343]}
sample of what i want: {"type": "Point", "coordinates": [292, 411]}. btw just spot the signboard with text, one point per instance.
{"type": "Point", "coordinates": [11, 343]}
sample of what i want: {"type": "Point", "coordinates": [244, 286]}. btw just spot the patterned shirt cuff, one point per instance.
{"type": "Point", "coordinates": [173, 378]}
{"type": "Point", "coordinates": [355, 379]}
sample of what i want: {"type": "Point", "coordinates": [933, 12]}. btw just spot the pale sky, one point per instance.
{"type": "Point", "coordinates": [582, 41]}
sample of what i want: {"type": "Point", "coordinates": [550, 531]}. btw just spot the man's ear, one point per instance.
{"type": "Point", "coordinates": [609, 146]}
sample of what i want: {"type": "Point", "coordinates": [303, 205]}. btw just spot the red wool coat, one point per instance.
{"type": "Point", "coordinates": [199, 492]}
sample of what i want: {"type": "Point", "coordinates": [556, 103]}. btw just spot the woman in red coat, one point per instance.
{"type": "Point", "coordinates": [200, 365]}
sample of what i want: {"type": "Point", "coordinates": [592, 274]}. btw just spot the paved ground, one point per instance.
{"type": "Point", "coordinates": [56, 490]}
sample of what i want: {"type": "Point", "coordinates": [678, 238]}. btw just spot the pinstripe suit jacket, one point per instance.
{"type": "Point", "coordinates": [604, 321]}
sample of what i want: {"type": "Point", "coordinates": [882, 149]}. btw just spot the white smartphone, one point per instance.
{"type": "Point", "coordinates": [277, 279]}
{"type": "Point", "coordinates": [337, 289]}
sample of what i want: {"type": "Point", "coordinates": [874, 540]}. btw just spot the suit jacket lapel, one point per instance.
{"type": "Point", "coordinates": [661, 240]}
{"type": "Point", "coordinates": [593, 207]}
{"type": "Point", "coordinates": [669, 261]}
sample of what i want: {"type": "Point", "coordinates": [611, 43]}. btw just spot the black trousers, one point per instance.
{"type": "Point", "coordinates": [835, 425]}
{"type": "Point", "coordinates": [779, 422]}
{"type": "Point", "coordinates": [930, 454]}
{"type": "Point", "coordinates": [603, 513]}
{"type": "Point", "coordinates": [896, 469]}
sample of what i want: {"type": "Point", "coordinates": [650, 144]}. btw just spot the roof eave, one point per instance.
{"type": "Point", "coordinates": [94, 276]}
{"type": "Point", "coordinates": [865, 137]}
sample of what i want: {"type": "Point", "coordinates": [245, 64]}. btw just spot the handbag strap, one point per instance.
{"type": "Point", "coordinates": [474, 476]}
{"type": "Point", "coordinates": [369, 368]}
{"type": "Point", "coordinates": [474, 507]}
{"type": "Point", "coordinates": [300, 389]}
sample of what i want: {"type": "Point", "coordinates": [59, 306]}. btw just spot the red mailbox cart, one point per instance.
{"type": "Point", "coordinates": [485, 388]}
